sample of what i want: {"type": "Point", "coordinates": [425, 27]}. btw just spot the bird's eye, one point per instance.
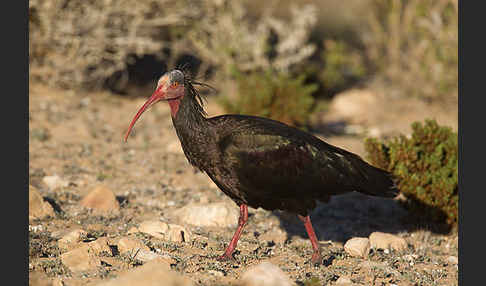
{"type": "Point", "coordinates": [175, 84]}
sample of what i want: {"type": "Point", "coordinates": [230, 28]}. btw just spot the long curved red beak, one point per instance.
{"type": "Point", "coordinates": [156, 96]}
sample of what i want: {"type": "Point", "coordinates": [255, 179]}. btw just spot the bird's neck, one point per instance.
{"type": "Point", "coordinates": [187, 114]}
{"type": "Point", "coordinates": [191, 127]}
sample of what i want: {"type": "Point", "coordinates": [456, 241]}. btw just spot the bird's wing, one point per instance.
{"type": "Point", "coordinates": [271, 164]}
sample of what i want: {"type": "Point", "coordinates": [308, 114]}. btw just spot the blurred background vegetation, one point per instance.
{"type": "Point", "coordinates": [298, 51]}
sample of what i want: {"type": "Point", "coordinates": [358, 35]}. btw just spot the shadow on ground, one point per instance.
{"type": "Point", "coordinates": [356, 215]}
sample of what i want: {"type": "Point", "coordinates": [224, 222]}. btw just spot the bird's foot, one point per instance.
{"type": "Point", "coordinates": [316, 258]}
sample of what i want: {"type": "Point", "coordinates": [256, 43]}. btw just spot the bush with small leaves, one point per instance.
{"type": "Point", "coordinates": [425, 167]}
{"type": "Point", "coordinates": [272, 94]}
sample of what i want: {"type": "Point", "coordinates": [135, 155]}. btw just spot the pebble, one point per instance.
{"type": "Point", "coordinates": [381, 240]}
{"type": "Point", "coordinates": [278, 236]}
{"type": "Point", "coordinates": [358, 246]}
{"type": "Point", "coordinates": [127, 244]}
{"type": "Point", "coordinates": [54, 182]}
{"type": "Point", "coordinates": [264, 274]}
{"type": "Point", "coordinates": [219, 214]}
{"type": "Point", "coordinates": [344, 281]}
{"type": "Point", "coordinates": [80, 259]}
{"type": "Point", "coordinates": [72, 239]}
{"type": "Point", "coordinates": [155, 228]}
{"type": "Point", "coordinates": [100, 245]}
{"type": "Point", "coordinates": [162, 230]}
{"type": "Point", "coordinates": [151, 273]}
{"type": "Point", "coordinates": [38, 208]}
{"type": "Point", "coordinates": [452, 259]}
{"type": "Point", "coordinates": [101, 199]}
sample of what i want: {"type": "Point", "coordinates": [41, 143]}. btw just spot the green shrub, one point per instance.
{"type": "Point", "coordinates": [342, 65]}
{"type": "Point", "coordinates": [425, 166]}
{"type": "Point", "coordinates": [272, 94]}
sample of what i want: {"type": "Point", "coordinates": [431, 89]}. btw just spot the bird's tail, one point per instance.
{"type": "Point", "coordinates": [375, 181]}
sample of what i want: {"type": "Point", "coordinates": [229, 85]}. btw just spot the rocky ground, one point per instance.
{"type": "Point", "coordinates": [105, 212]}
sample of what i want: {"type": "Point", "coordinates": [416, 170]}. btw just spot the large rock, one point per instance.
{"type": "Point", "coordinates": [264, 274]}
{"type": "Point", "coordinates": [38, 208]}
{"type": "Point", "coordinates": [151, 273]}
{"type": "Point", "coordinates": [381, 240]}
{"type": "Point", "coordinates": [215, 214]}
{"type": "Point", "coordinates": [358, 247]}
{"type": "Point", "coordinates": [353, 104]}
{"type": "Point", "coordinates": [81, 259]}
{"type": "Point", "coordinates": [101, 199]}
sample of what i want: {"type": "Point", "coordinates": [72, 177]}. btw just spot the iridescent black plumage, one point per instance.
{"type": "Point", "coordinates": [260, 162]}
{"type": "Point", "coordinates": [265, 163]}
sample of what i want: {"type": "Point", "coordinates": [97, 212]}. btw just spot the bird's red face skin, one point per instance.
{"type": "Point", "coordinates": [171, 88]}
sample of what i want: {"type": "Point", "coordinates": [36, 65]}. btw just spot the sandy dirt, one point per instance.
{"type": "Point", "coordinates": [78, 137]}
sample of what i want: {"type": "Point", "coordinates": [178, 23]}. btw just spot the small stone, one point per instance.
{"type": "Point", "coordinates": [132, 230]}
{"type": "Point", "coordinates": [155, 228]}
{"type": "Point", "coordinates": [72, 239]}
{"type": "Point", "coordinates": [162, 230]}
{"type": "Point", "coordinates": [80, 259]}
{"type": "Point", "coordinates": [381, 240]}
{"type": "Point", "coordinates": [216, 273]}
{"type": "Point", "coordinates": [344, 281]}
{"type": "Point", "coordinates": [151, 273]}
{"type": "Point", "coordinates": [127, 244]}
{"type": "Point", "coordinates": [218, 214]}
{"type": "Point", "coordinates": [278, 236]}
{"type": "Point", "coordinates": [101, 199]}
{"type": "Point", "coordinates": [54, 182]}
{"type": "Point", "coordinates": [100, 245]}
{"type": "Point", "coordinates": [177, 233]}
{"type": "Point", "coordinates": [357, 247]}
{"type": "Point", "coordinates": [452, 259]}
{"type": "Point", "coordinates": [145, 255]}
{"type": "Point", "coordinates": [264, 274]}
{"type": "Point", "coordinates": [38, 208]}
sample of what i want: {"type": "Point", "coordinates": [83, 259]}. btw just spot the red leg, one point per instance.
{"type": "Point", "coordinates": [241, 224]}
{"type": "Point", "coordinates": [316, 256]}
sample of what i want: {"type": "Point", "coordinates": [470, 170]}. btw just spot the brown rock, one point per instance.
{"type": "Point", "coordinates": [162, 230]}
{"type": "Point", "coordinates": [177, 233]}
{"type": "Point", "coordinates": [381, 240]}
{"type": "Point", "coordinates": [101, 199]}
{"type": "Point", "coordinates": [155, 228]}
{"type": "Point", "coordinates": [81, 259]}
{"type": "Point", "coordinates": [264, 274]}
{"type": "Point", "coordinates": [54, 182]}
{"type": "Point", "coordinates": [132, 245]}
{"type": "Point", "coordinates": [357, 246]}
{"type": "Point", "coordinates": [72, 239]}
{"type": "Point", "coordinates": [38, 208]}
{"type": "Point", "coordinates": [151, 273]}
{"type": "Point", "coordinates": [100, 245]}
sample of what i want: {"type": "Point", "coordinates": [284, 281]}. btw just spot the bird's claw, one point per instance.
{"type": "Point", "coordinates": [316, 258]}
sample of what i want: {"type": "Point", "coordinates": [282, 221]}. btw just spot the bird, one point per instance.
{"type": "Point", "coordinates": [260, 162]}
